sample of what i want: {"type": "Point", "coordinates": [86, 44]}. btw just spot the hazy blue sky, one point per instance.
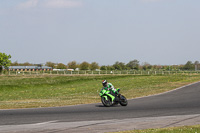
{"type": "Point", "coordinates": [104, 31]}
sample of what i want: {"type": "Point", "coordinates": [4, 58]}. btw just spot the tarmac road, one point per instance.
{"type": "Point", "coordinates": [174, 108]}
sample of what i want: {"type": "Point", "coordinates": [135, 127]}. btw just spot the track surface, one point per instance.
{"type": "Point", "coordinates": [182, 101]}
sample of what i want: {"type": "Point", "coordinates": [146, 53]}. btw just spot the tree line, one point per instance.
{"type": "Point", "coordinates": [131, 65]}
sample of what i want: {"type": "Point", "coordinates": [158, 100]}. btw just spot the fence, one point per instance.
{"type": "Point", "coordinates": [115, 72]}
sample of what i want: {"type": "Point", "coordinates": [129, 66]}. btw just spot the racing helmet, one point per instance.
{"type": "Point", "coordinates": [104, 82]}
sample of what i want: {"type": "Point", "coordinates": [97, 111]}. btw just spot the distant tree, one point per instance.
{"type": "Point", "coordinates": [110, 68]}
{"type": "Point", "coordinates": [117, 65]}
{"type": "Point", "coordinates": [27, 64]}
{"type": "Point", "coordinates": [4, 60]}
{"type": "Point", "coordinates": [122, 65]}
{"type": "Point", "coordinates": [103, 68]}
{"type": "Point", "coordinates": [175, 67]}
{"type": "Point", "coordinates": [61, 66]}
{"type": "Point", "coordinates": [50, 64]}
{"type": "Point", "coordinates": [189, 66]}
{"type": "Point", "coordinates": [94, 66]}
{"type": "Point", "coordinates": [23, 64]}
{"type": "Point", "coordinates": [149, 67]}
{"type": "Point", "coordinates": [166, 67]}
{"type": "Point", "coordinates": [134, 64]}
{"type": "Point", "coordinates": [84, 66]}
{"type": "Point", "coordinates": [155, 67]}
{"type": "Point", "coordinates": [145, 65]}
{"type": "Point", "coordinates": [72, 65]}
{"type": "Point", "coordinates": [14, 63]}
{"type": "Point", "coordinates": [107, 68]}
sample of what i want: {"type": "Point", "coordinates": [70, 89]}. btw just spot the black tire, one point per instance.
{"type": "Point", "coordinates": [105, 102]}
{"type": "Point", "coordinates": [123, 101]}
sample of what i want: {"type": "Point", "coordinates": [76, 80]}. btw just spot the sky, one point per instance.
{"type": "Point", "coordinates": [160, 32]}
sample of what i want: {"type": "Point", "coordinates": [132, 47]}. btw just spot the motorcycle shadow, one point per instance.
{"type": "Point", "coordinates": [106, 107]}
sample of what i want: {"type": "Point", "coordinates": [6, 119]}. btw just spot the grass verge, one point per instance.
{"type": "Point", "coordinates": [51, 91]}
{"type": "Point", "coordinates": [184, 129]}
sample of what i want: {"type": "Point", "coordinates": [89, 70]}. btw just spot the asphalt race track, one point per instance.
{"type": "Point", "coordinates": [174, 108]}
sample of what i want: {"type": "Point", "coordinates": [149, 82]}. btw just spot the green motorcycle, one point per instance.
{"type": "Point", "coordinates": [109, 98]}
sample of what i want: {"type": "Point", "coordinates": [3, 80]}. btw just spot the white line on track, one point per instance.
{"type": "Point", "coordinates": [43, 123]}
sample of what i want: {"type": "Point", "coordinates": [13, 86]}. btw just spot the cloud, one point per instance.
{"type": "Point", "coordinates": [49, 4]}
{"type": "Point", "coordinates": [61, 3]}
{"type": "Point", "coordinates": [28, 4]}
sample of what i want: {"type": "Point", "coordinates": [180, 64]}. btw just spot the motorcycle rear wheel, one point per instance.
{"type": "Point", "coordinates": [123, 101]}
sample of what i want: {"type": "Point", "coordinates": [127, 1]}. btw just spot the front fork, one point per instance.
{"type": "Point", "coordinates": [111, 96]}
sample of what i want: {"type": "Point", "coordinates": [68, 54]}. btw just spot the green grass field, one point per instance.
{"type": "Point", "coordinates": [51, 91]}
{"type": "Point", "coordinates": [184, 129]}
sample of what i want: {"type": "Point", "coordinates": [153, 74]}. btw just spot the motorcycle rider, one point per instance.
{"type": "Point", "coordinates": [109, 86]}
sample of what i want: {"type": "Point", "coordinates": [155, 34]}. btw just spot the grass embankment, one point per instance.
{"type": "Point", "coordinates": [51, 91]}
{"type": "Point", "coordinates": [184, 129]}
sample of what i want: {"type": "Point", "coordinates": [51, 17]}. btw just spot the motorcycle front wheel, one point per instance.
{"type": "Point", "coordinates": [107, 102]}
